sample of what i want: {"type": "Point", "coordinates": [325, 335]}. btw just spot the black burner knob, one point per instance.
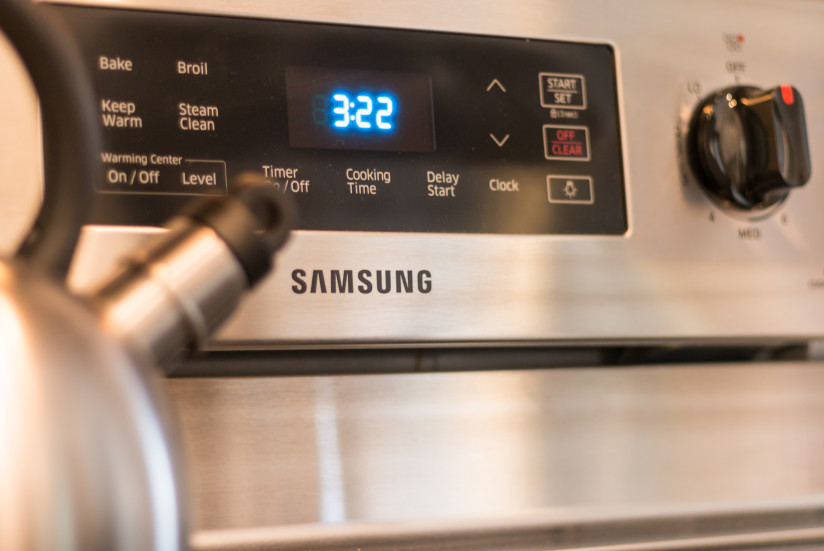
{"type": "Point", "coordinates": [748, 146]}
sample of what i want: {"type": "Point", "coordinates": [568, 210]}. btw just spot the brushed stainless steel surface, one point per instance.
{"type": "Point", "coordinates": [684, 271]}
{"type": "Point", "coordinates": [784, 540]}
{"type": "Point", "coordinates": [403, 448]}
{"type": "Point", "coordinates": [781, 527]}
{"type": "Point", "coordinates": [462, 449]}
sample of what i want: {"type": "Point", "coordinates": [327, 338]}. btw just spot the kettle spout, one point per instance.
{"type": "Point", "coordinates": [171, 295]}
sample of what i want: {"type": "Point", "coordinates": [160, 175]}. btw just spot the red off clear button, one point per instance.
{"type": "Point", "coordinates": [566, 143]}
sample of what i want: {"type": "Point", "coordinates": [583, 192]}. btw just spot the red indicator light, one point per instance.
{"type": "Point", "coordinates": [787, 94]}
{"type": "Point", "coordinates": [740, 38]}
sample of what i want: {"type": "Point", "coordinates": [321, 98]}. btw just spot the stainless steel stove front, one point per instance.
{"type": "Point", "coordinates": [587, 454]}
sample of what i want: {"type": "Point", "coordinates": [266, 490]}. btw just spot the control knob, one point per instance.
{"type": "Point", "coordinates": [748, 146]}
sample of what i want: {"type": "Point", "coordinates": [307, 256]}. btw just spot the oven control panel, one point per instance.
{"type": "Point", "coordinates": [368, 129]}
{"type": "Point", "coordinates": [478, 174]}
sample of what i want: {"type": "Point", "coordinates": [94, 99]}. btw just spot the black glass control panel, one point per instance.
{"type": "Point", "coordinates": [369, 129]}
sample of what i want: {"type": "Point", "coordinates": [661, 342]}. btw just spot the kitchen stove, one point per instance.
{"type": "Point", "coordinates": [557, 282]}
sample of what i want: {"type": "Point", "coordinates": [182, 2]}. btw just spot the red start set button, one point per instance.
{"type": "Point", "coordinates": [566, 143]}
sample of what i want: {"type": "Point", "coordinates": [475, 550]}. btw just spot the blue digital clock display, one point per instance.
{"type": "Point", "coordinates": [355, 109]}
{"type": "Point", "coordinates": [362, 111]}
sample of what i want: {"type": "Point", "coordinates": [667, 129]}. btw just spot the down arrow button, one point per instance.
{"type": "Point", "coordinates": [501, 141]}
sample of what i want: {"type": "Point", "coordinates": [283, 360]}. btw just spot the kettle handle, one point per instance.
{"type": "Point", "coordinates": [71, 135]}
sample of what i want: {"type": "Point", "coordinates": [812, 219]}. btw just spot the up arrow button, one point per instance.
{"type": "Point", "coordinates": [496, 82]}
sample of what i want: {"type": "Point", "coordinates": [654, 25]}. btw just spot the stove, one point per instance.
{"type": "Point", "coordinates": [557, 281]}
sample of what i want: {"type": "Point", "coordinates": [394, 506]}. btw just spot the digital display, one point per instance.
{"type": "Point", "coordinates": [361, 116]}
{"type": "Point", "coordinates": [355, 109]}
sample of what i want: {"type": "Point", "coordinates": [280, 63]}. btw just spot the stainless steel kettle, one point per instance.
{"type": "Point", "coordinates": [86, 457]}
